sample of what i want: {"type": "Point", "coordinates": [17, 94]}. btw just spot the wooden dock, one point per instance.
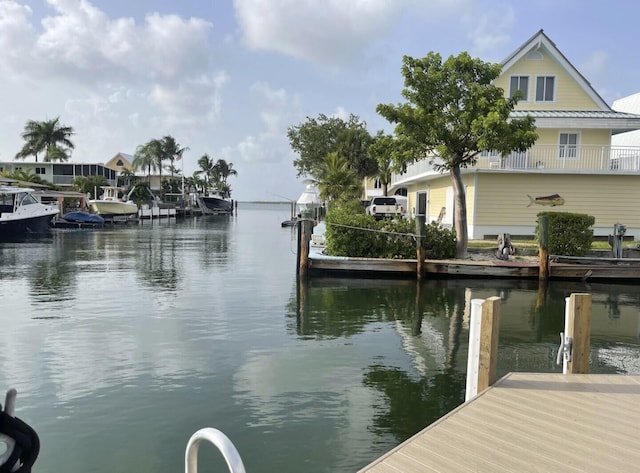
{"type": "Point", "coordinates": [515, 269]}
{"type": "Point", "coordinates": [531, 422]}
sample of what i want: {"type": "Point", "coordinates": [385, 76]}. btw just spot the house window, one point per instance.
{"type": "Point", "coordinates": [377, 184]}
{"type": "Point", "coordinates": [568, 145]}
{"type": "Point", "coordinates": [41, 171]}
{"type": "Point", "coordinates": [545, 88]}
{"type": "Point", "coordinates": [119, 163]}
{"type": "Point", "coordinates": [519, 83]}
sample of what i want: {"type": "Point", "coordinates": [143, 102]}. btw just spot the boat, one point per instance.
{"type": "Point", "coordinates": [217, 205]}
{"type": "Point", "coordinates": [83, 217]}
{"type": "Point", "coordinates": [109, 205]}
{"type": "Point", "coordinates": [21, 213]}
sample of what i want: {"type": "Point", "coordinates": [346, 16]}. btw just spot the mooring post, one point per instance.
{"type": "Point", "coordinates": [578, 330]}
{"type": "Point", "coordinates": [420, 249]}
{"type": "Point", "coordinates": [543, 247]}
{"type": "Point", "coordinates": [482, 361]}
{"type": "Point", "coordinates": [305, 229]}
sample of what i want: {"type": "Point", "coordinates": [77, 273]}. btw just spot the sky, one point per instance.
{"type": "Point", "coordinates": [229, 77]}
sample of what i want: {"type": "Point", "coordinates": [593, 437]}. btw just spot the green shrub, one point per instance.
{"type": "Point", "coordinates": [440, 242]}
{"type": "Point", "coordinates": [398, 241]}
{"type": "Point", "coordinates": [344, 236]}
{"type": "Point", "coordinates": [351, 232]}
{"type": "Point", "coordinates": [570, 234]}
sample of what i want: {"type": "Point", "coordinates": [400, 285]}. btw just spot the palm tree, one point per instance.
{"type": "Point", "coordinates": [337, 179]}
{"type": "Point", "coordinates": [127, 176]}
{"type": "Point", "coordinates": [48, 136]}
{"type": "Point", "coordinates": [208, 170]}
{"type": "Point", "coordinates": [224, 170]}
{"type": "Point", "coordinates": [147, 157]}
{"type": "Point", "coordinates": [172, 152]}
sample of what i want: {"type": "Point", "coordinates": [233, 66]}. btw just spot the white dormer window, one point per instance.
{"type": "Point", "coordinates": [545, 88]}
{"type": "Point", "coordinates": [519, 83]}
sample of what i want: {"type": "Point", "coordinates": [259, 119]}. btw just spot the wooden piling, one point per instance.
{"type": "Point", "coordinates": [543, 247]}
{"type": "Point", "coordinates": [482, 360]}
{"type": "Point", "coordinates": [488, 354]}
{"type": "Point", "coordinates": [578, 327]}
{"type": "Point", "coordinates": [420, 249]}
{"type": "Point", "coordinates": [305, 228]}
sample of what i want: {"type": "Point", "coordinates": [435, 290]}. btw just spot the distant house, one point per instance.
{"type": "Point", "coordinates": [630, 104]}
{"type": "Point", "coordinates": [120, 162]}
{"type": "Point", "coordinates": [61, 174]}
{"type": "Point", "coordinates": [574, 157]}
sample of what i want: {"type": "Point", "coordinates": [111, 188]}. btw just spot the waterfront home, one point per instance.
{"type": "Point", "coordinates": [573, 166]}
{"type": "Point", "coordinates": [61, 174]}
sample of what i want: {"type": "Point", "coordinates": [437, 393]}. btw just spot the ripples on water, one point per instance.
{"type": "Point", "coordinates": [123, 342]}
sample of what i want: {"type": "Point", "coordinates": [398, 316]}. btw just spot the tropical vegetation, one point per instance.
{"type": "Point", "coordinates": [153, 155]}
{"type": "Point", "coordinates": [351, 232]}
{"type": "Point", "coordinates": [49, 137]}
{"type": "Point", "coordinates": [212, 176]}
{"type": "Point", "coordinates": [452, 113]}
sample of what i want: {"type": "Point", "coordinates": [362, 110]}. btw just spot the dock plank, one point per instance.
{"type": "Point", "coordinates": [532, 422]}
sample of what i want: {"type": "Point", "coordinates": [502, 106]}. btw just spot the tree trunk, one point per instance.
{"type": "Point", "coordinates": [459, 213]}
{"type": "Point", "coordinates": [385, 189]}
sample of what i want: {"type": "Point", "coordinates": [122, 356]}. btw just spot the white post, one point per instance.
{"type": "Point", "coordinates": [473, 356]}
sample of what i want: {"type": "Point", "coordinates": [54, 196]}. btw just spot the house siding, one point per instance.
{"type": "Point", "coordinates": [502, 201]}
{"type": "Point", "coordinates": [569, 95]}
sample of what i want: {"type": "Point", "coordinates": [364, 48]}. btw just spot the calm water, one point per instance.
{"type": "Point", "coordinates": [123, 342]}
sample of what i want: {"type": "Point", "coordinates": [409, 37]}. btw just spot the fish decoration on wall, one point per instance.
{"type": "Point", "coordinates": [551, 200]}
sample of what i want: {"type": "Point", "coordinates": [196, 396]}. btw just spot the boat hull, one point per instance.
{"type": "Point", "coordinates": [216, 204]}
{"type": "Point", "coordinates": [111, 208]}
{"type": "Point", "coordinates": [26, 226]}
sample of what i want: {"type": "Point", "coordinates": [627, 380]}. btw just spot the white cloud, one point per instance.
{"type": "Point", "coordinates": [490, 31]}
{"type": "Point", "coordinates": [333, 32]}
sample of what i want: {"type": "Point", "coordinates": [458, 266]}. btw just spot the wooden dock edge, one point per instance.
{"type": "Point", "coordinates": [433, 425]}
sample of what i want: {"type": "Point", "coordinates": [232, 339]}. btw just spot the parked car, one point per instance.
{"type": "Point", "coordinates": [385, 207]}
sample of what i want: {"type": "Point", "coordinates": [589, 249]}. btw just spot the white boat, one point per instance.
{"type": "Point", "coordinates": [22, 214]}
{"type": "Point", "coordinates": [110, 205]}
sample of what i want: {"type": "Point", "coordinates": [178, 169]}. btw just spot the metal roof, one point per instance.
{"type": "Point", "coordinates": [574, 114]}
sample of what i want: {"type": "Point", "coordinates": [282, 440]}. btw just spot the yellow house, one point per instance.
{"type": "Point", "coordinates": [120, 161]}
{"type": "Point", "coordinates": [573, 166]}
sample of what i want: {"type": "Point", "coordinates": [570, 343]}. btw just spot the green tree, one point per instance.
{"type": "Point", "coordinates": [222, 171]}
{"type": "Point", "coordinates": [147, 157]}
{"type": "Point", "coordinates": [337, 181]}
{"type": "Point", "coordinates": [48, 136]}
{"type": "Point", "coordinates": [208, 172]}
{"type": "Point", "coordinates": [172, 152]}
{"type": "Point", "coordinates": [314, 139]}
{"type": "Point", "coordinates": [453, 111]}
{"type": "Point", "coordinates": [382, 150]}
{"type": "Point", "coordinates": [127, 177]}
{"type": "Point", "coordinates": [89, 184]}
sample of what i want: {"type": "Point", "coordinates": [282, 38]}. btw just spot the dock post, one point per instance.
{"type": "Point", "coordinates": [420, 242]}
{"type": "Point", "coordinates": [543, 247]}
{"type": "Point", "coordinates": [577, 326]}
{"type": "Point", "coordinates": [305, 228]}
{"type": "Point", "coordinates": [482, 358]}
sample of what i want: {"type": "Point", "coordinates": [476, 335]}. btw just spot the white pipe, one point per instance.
{"type": "Point", "coordinates": [221, 441]}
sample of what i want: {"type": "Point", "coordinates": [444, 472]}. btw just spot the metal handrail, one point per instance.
{"type": "Point", "coordinates": [221, 441]}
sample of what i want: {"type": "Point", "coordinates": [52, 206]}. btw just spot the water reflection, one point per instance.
{"type": "Point", "coordinates": [431, 320]}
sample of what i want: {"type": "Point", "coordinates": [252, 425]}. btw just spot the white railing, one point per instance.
{"type": "Point", "coordinates": [543, 158]}
{"type": "Point", "coordinates": [221, 441]}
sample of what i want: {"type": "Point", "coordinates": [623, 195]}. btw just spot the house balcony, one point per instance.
{"type": "Point", "coordinates": [566, 159]}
